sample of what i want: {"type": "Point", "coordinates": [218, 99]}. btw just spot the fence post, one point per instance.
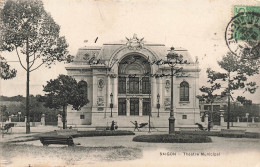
{"type": "Point", "coordinates": [59, 120]}
{"type": "Point", "coordinates": [206, 120]}
{"type": "Point", "coordinates": [253, 119]}
{"type": "Point", "coordinates": [222, 120]}
{"type": "Point", "coordinates": [43, 120]}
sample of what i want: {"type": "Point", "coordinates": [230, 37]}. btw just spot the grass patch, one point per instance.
{"type": "Point", "coordinates": [69, 154]}
{"type": "Point", "coordinates": [176, 138]}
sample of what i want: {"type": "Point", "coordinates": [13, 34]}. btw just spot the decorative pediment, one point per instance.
{"type": "Point", "coordinates": [134, 43]}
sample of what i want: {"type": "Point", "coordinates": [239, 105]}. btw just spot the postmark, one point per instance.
{"type": "Point", "coordinates": [243, 30]}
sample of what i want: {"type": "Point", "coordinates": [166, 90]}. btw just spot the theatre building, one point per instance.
{"type": "Point", "coordinates": [129, 79]}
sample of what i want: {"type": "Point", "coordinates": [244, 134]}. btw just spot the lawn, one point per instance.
{"type": "Point", "coordinates": [69, 155]}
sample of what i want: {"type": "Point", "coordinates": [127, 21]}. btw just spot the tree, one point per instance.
{"type": "Point", "coordinates": [236, 75]}
{"type": "Point", "coordinates": [208, 92]}
{"type": "Point", "coordinates": [4, 114]}
{"type": "Point", "coordinates": [65, 91]}
{"type": "Point", "coordinates": [6, 72]}
{"type": "Point", "coordinates": [29, 30]}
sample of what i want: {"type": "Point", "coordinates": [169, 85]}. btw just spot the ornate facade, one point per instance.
{"type": "Point", "coordinates": [130, 75]}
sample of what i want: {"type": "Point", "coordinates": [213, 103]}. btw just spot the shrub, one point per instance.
{"type": "Point", "coordinates": [231, 135]}
{"type": "Point", "coordinates": [207, 133]}
{"type": "Point", "coordinates": [176, 138]}
{"type": "Point", "coordinates": [252, 135]}
{"type": "Point", "coordinates": [103, 133]}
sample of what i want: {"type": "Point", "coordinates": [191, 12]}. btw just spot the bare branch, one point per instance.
{"type": "Point", "coordinates": [32, 61]}
{"type": "Point", "coordinates": [37, 67]}
{"type": "Point", "coordinates": [20, 59]}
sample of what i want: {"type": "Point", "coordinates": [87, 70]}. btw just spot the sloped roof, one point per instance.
{"type": "Point", "coordinates": [105, 51]}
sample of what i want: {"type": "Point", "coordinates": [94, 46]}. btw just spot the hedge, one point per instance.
{"type": "Point", "coordinates": [103, 133]}
{"type": "Point", "coordinates": [176, 138]}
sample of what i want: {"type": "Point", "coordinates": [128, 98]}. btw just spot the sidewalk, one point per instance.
{"type": "Point", "coordinates": [19, 133]}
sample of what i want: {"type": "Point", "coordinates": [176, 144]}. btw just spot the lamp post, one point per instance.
{"type": "Point", "coordinates": [228, 112]}
{"type": "Point", "coordinates": [158, 104]}
{"type": "Point", "coordinates": [111, 104]}
{"type": "Point", "coordinates": [150, 106]}
{"type": "Point", "coordinates": [172, 59]}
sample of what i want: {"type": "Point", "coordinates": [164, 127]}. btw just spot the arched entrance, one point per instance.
{"type": "Point", "coordinates": [134, 86]}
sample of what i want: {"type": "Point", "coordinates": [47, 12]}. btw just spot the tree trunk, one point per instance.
{"type": "Point", "coordinates": [27, 88]}
{"type": "Point", "coordinates": [64, 117]}
{"type": "Point", "coordinates": [211, 116]}
{"type": "Point", "coordinates": [228, 114]}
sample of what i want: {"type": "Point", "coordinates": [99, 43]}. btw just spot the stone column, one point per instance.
{"type": "Point", "coordinates": [25, 119]}
{"type": "Point", "coordinates": [109, 91]}
{"type": "Point", "coordinates": [161, 91]}
{"type": "Point", "coordinates": [115, 91]}
{"type": "Point", "coordinates": [253, 119]}
{"type": "Point", "coordinates": [59, 121]}
{"type": "Point", "coordinates": [43, 120]}
{"type": "Point", "coordinates": [9, 119]}
{"type": "Point", "coordinates": [237, 119]}
{"type": "Point", "coordinates": [127, 84]}
{"type": "Point", "coordinates": [140, 107]}
{"type": "Point", "coordinates": [222, 122]}
{"type": "Point", "coordinates": [206, 120]}
{"type": "Point", "coordinates": [127, 107]}
{"type": "Point", "coordinates": [95, 90]}
{"type": "Point", "coordinates": [154, 92]}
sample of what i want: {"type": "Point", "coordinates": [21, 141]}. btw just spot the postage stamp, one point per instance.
{"type": "Point", "coordinates": [242, 32]}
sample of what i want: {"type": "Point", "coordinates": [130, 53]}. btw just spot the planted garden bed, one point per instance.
{"type": "Point", "coordinates": [176, 138]}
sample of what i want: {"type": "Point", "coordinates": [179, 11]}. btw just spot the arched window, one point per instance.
{"type": "Point", "coordinates": [184, 91]}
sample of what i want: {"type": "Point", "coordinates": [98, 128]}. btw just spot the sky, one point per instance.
{"type": "Point", "coordinates": [198, 26]}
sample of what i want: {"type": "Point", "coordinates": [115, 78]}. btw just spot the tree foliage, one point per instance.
{"type": "Point", "coordinates": [65, 91]}
{"type": "Point", "coordinates": [244, 101]}
{"type": "Point", "coordinates": [15, 104]}
{"type": "Point", "coordinates": [29, 30]}
{"type": "Point", "coordinates": [208, 92]}
{"type": "Point", "coordinates": [6, 71]}
{"type": "Point", "coordinates": [236, 75]}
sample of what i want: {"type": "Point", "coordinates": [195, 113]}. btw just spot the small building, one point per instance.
{"type": "Point", "coordinates": [128, 79]}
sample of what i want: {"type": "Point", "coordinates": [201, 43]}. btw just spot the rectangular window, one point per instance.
{"type": "Point", "coordinates": [146, 106]}
{"type": "Point", "coordinates": [207, 107]}
{"type": "Point", "coordinates": [184, 116]}
{"type": "Point", "coordinates": [216, 107]}
{"type": "Point", "coordinates": [134, 85]}
{"type": "Point", "coordinates": [121, 106]}
{"type": "Point", "coordinates": [184, 94]}
{"type": "Point", "coordinates": [122, 85]}
{"type": "Point", "coordinates": [184, 91]}
{"type": "Point", "coordinates": [134, 106]}
{"type": "Point", "coordinates": [145, 85]}
{"type": "Point", "coordinates": [82, 116]}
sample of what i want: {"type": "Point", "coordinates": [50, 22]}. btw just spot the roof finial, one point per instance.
{"type": "Point", "coordinates": [85, 41]}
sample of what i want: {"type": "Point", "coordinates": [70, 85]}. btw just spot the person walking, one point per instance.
{"type": "Point", "coordinates": [136, 126]}
{"type": "Point", "coordinates": [112, 125]}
